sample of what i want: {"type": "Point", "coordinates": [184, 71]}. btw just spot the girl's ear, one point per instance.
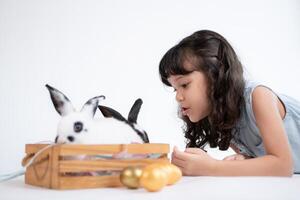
{"type": "Point", "coordinates": [134, 111]}
{"type": "Point", "coordinates": [90, 106]}
{"type": "Point", "coordinates": [109, 112]}
{"type": "Point", "coordinates": [61, 103]}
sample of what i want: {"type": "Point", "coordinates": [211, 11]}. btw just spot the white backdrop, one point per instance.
{"type": "Point", "coordinates": [113, 47]}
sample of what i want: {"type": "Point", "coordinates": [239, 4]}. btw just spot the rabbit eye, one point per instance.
{"type": "Point", "coordinates": [78, 127]}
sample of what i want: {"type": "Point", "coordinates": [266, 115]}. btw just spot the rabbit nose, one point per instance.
{"type": "Point", "coordinates": [78, 127]}
{"type": "Point", "coordinates": [71, 138]}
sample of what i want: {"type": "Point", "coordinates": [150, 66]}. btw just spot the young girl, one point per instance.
{"type": "Point", "coordinates": [221, 109]}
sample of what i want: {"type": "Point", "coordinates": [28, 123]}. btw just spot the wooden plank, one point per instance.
{"type": "Point", "coordinates": [72, 149]}
{"type": "Point", "coordinates": [89, 182]}
{"type": "Point", "coordinates": [112, 149]}
{"type": "Point", "coordinates": [54, 158]}
{"type": "Point", "coordinates": [98, 165]}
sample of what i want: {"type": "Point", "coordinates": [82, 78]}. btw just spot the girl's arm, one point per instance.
{"type": "Point", "coordinates": [278, 161]}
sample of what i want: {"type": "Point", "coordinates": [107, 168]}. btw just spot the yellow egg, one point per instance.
{"type": "Point", "coordinates": [130, 176]}
{"type": "Point", "coordinates": [172, 171]}
{"type": "Point", "coordinates": [153, 178]}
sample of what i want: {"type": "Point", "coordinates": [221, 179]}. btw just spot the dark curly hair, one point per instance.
{"type": "Point", "coordinates": [212, 55]}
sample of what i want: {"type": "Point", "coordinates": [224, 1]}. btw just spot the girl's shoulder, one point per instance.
{"type": "Point", "coordinates": [291, 105]}
{"type": "Point", "coordinates": [250, 87]}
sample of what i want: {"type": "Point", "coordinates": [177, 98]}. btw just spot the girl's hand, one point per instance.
{"type": "Point", "coordinates": [193, 161]}
{"type": "Point", "coordinates": [236, 157]}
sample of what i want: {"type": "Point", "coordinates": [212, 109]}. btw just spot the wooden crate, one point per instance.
{"type": "Point", "coordinates": [58, 167]}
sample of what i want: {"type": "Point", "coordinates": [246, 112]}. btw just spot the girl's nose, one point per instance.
{"type": "Point", "coordinates": [179, 97]}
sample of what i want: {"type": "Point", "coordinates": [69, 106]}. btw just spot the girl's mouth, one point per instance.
{"type": "Point", "coordinates": [184, 111]}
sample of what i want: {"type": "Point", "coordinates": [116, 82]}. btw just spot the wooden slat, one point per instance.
{"type": "Point", "coordinates": [111, 149]}
{"type": "Point", "coordinates": [71, 149]}
{"type": "Point", "coordinates": [55, 183]}
{"type": "Point", "coordinates": [89, 182]}
{"type": "Point", "coordinates": [98, 165]}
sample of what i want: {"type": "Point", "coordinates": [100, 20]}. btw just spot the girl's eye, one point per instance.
{"type": "Point", "coordinates": [184, 85]}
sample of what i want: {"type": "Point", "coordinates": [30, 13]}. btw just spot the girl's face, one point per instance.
{"type": "Point", "coordinates": [191, 94]}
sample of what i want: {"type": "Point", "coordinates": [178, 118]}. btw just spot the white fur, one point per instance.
{"type": "Point", "coordinates": [99, 131]}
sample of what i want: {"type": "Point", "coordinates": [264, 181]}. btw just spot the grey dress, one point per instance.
{"type": "Point", "coordinates": [248, 139]}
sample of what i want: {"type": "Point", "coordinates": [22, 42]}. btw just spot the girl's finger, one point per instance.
{"type": "Point", "coordinates": [178, 162]}
{"type": "Point", "coordinates": [239, 157]}
{"type": "Point", "coordinates": [179, 154]}
{"type": "Point", "coordinates": [194, 150]}
{"type": "Point", "coordinates": [235, 157]}
{"type": "Point", "coordinates": [232, 157]}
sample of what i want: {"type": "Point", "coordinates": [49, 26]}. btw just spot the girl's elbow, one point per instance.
{"type": "Point", "coordinates": [283, 166]}
{"type": "Point", "coordinates": [290, 171]}
{"type": "Point", "coordinates": [287, 168]}
{"type": "Point", "coordinates": [287, 172]}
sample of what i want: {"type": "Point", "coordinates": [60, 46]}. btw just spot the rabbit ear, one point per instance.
{"type": "Point", "coordinates": [61, 103]}
{"type": "Point", "coordinates": [134, 111]}
{"type": "Point", "coordinates": [90, 106]}
{"type": "Point", "coordinates": [109, 112]}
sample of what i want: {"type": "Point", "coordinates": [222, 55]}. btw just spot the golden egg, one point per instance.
{"type": "Point", "coordinates": [153, 178]}
{"type": "Point", "coordinates": [174, 173]}
{"type": "Point", "coordinates": [130, 176]}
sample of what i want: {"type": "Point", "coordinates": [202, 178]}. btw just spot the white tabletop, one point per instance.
{"type": "Point", "coordinates": [187, 188]}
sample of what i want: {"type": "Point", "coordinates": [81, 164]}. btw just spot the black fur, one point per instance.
{"type": "Point", "coordinates": [56, 138]}
{"type": "Point", "coordinates": [109, 112]}
{"type": "Point", "coordinates": [58, 104]}
{"type": "Point", "coordinates": [134, 111]}
{"type": "Point", "coordinates": [132, 117]}
{"type": "Point", "coordinates": [91, 102]}
{"type": "Point", "coordinates": [71, 138]}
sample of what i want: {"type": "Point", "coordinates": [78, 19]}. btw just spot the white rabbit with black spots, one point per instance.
{"type": "Point", "coordinates": [80, 127]}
